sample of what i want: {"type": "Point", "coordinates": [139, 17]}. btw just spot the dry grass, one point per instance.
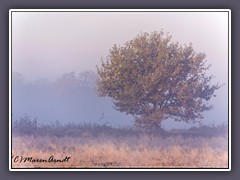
{"type": "Point", "coordinates": [122, 152]}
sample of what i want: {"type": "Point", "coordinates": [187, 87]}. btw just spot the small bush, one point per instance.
{"type": "Point", "coordinates": [25, 125]}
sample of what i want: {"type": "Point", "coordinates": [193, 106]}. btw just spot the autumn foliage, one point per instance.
{"type": "Point", "coordinates": [154, 79]}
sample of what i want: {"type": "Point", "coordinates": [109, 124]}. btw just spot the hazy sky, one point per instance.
{"type": "Point", "coordinates": [47, 44]}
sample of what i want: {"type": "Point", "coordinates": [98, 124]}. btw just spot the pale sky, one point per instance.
{"type": "Point", "coordinates": [48, 44]}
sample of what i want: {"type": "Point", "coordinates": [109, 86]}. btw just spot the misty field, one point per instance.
{"type": "Point", "coordinates": [118, 149]}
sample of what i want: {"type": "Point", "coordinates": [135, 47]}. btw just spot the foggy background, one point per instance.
{"type": "Point", "coordinates": [54, 58]}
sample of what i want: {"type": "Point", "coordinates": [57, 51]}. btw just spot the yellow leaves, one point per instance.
{"type": "Point", "coordinates": [140, 72]}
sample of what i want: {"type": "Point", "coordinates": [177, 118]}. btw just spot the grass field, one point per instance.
{"type": "Point", "coordinates": [107, 151]}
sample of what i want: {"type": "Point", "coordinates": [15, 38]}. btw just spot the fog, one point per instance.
{"type": "Point", "coordinates": [54, 58]}
{"type": "Point", "coordinates": [71, 98]}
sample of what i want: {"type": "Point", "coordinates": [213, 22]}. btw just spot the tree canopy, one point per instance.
{"type": "Point", "coordinates": [154, 79]}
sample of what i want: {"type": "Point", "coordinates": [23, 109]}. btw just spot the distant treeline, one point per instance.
{"type": "Point", "coordinates": [30, 126]}
{"type": "Point", "coordinates": [71, 97]}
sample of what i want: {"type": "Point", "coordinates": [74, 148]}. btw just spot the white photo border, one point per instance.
{"type": "Point", "coordinates": [119, 10]}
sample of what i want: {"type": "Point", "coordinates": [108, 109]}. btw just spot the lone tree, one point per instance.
{"type": "Point", "coordinates": [155, 79]}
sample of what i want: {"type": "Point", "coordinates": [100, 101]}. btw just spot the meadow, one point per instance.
{"type": "Point", "coordinates": [95, 146]}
